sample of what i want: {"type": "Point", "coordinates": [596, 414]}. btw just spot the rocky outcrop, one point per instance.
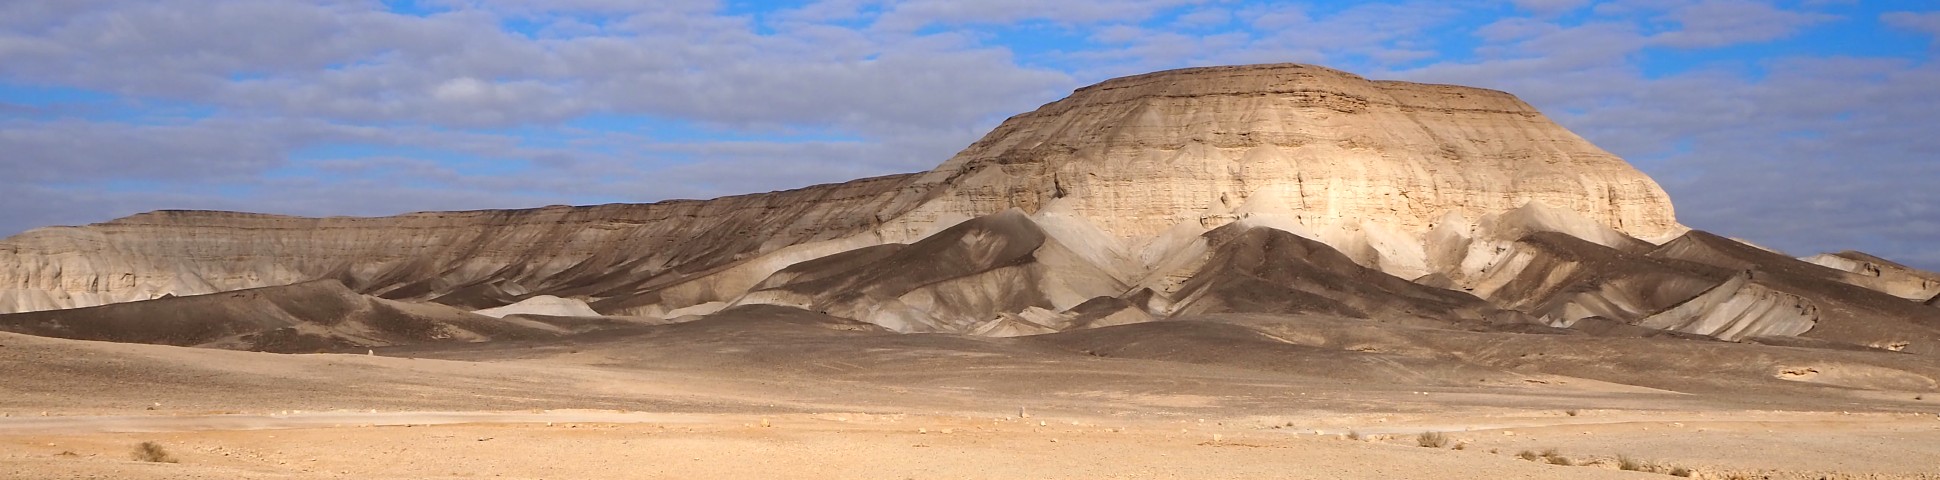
{"type": "Point", "coordinates": [1367, 166]}
{"type": "Point", "coordinates": [1881, 274]}
{"type": "Point", "coordinates": [543, 305]}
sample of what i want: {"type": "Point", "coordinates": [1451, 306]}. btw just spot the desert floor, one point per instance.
{"type": "Point", "coordinates": [703, 401]}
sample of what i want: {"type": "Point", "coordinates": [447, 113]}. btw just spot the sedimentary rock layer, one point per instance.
{"type": "Point", "coordinates": [475, 259]}
{"type": "Point", "coordinates": [1367, 166]}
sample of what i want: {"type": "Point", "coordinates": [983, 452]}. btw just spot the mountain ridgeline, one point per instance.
{"type": "Point", "coordinates": [1269, 189]}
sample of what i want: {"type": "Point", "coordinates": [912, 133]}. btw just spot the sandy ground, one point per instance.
{"type": "Point", "coordinates": [581, 444]}
{"type": "Point", "coordinates": [692, 401]}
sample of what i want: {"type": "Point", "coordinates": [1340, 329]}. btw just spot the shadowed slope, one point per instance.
{"type": "Point", "coordinates": [1265, 270]}
{"type": "Point", "coordinates": [1844, 312]}
{"type": "Point", "coordinates": [306, 317]}
{"type": "Point", "coordinates": [949, 282]}
{"type": "Point", "coordinates": [1563, 278]}
{"type": "Point", "coordinates": [474, 259]}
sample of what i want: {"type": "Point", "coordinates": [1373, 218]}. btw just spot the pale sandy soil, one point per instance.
{"type": "Point", "coordinates": [689, 402]}
{"type": "Point", "coordinates": [854, 445]}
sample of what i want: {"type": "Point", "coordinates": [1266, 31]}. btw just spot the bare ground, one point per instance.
{"type": "Point", "coordinates": [1247, 397]}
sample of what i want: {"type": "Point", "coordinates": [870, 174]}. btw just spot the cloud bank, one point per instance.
{"type": "Point", "coordinates": [1801, 125]}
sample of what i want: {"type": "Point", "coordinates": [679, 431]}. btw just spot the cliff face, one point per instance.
{"type": "Point", "coordinates": [1134, 167]}
{"type": "Point", "coordinates": [1359, 163]}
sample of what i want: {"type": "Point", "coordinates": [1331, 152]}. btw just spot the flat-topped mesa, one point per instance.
{"type": "Point", "coordinates": [1328, 150]}
{"type": "Point", "coordinates": [1123, 172]}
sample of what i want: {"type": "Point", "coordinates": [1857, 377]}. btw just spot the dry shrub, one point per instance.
{"type": "Point", "coordinates": [153, 452]}
{"type": "Point", "coordinates": [1624, 462]}
{"type": "Point", "coordinates": [1431, 439]}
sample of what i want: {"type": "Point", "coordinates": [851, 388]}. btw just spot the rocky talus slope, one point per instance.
{"type": "Point", "coordinates": [1284, 189]}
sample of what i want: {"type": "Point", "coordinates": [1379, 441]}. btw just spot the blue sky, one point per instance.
{"type": "Point", "coordinates": [1803, 125]}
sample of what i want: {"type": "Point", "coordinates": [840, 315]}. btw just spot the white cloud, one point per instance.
{"type": "Point", "coordinates": [914, 14]}
{"type": "Point", "coordinates": [1924, 22]}
{"type": "Point", "coordinates": [1717, 23]}
{"type": "Point", "coordinates": [1550, 7]}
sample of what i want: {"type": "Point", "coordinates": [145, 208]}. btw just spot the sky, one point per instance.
{"type": "Point", "coordinates": [1804, 125]}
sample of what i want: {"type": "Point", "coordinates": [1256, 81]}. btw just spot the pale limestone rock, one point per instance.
{"type": "Point", "coordinates": [547, 305]}
{"type": "Point", "coordinates": [1738, 309]}
{"type": "Point", "coordinates": [1882, 275]}
{"type": "Point", "coordinates": [1369, 165]}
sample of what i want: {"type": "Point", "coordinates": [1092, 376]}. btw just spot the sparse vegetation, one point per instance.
{"type": "Point", "coordinates": [1353, 435]}
{"type": "Point", "coordinates": [1573, 412]}
{"type": "Point", "coordinates": [1624, 462]}
{"type": "Point", "coordinates": [153, 452]}
{"type": "Point", "coordinates": [1431, 439]}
